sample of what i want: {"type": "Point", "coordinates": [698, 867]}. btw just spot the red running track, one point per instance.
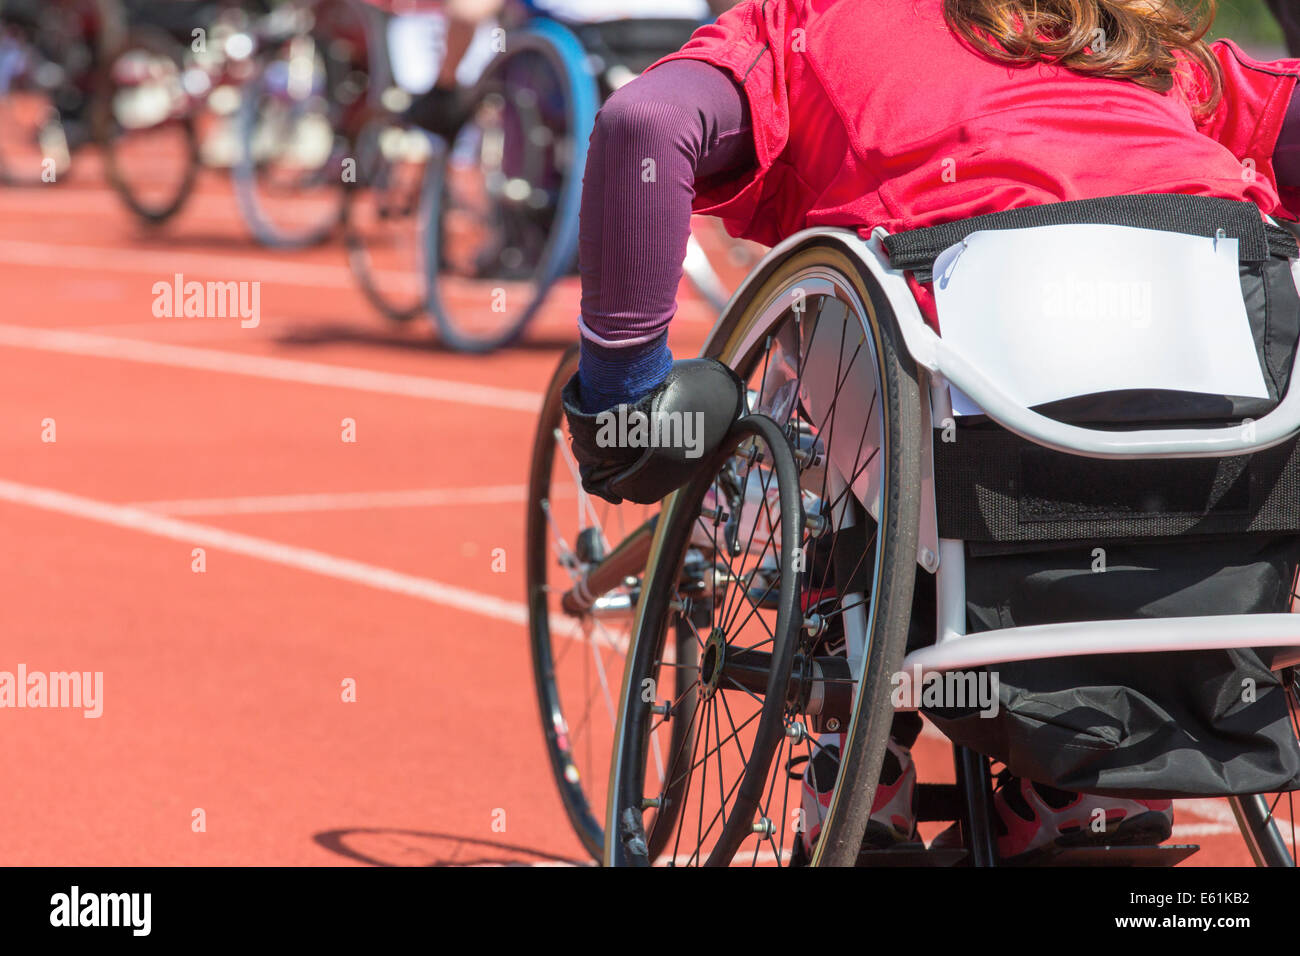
{"type": "Point", "coordinates": [325, 561]}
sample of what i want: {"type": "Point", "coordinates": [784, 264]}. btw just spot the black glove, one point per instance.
{"type": "Point", "coordinates": [441, 111]}
{"type": "Point", "coordinates": [647, 450]}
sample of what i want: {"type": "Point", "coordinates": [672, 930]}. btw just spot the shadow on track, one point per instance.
{"type": "Point", "coordinates": [199, 241]}
{"type": "Point", "coordinates": [379, 846]}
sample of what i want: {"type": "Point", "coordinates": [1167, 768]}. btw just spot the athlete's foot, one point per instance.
{"type": "Point", "coordinates": [893, 810]}
{"type": "Point", "coordinates": [1031, 818]}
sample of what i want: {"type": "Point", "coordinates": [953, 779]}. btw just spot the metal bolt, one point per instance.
{"type": "Point", "coordinates": [807, 457]}
{"type": "Point", "coordinates": [763, 825]}
{"type": "Point", "coordinates": [815, 625]}
{"type": "Point", "coordinates": [833, 724]}
{"type": "Point", "coordinates": [796, 731]}
{"type": "Point", "coordinates": [650, 803]}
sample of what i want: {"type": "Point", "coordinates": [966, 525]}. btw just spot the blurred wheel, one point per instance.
{"type": "Point", "coordinates": [388, 212]}
{"type": "Point", "coordinates": [144, 120]}
{"type": "Point", "coordinates": [510, 190]}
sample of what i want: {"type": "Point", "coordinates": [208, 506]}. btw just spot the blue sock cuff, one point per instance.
{"type": "Point", "coordinates": [610, 377]}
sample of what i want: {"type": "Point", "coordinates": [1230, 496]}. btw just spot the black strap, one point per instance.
{"type": "Point", "coordinates": [994, 486]}
{"type": "Point", "coordinates": [917, 249]}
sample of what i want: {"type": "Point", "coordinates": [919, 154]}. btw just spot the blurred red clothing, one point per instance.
{"type": "Point", "coordinates": [406, 6]}
{"type": "Point", "coordinates": [872, 113]}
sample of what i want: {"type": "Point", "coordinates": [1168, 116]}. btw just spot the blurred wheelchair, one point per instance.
{"type": "Point", "coordinates": [480, 230]}
{"type": "Point", "coordinates": [129, 75]}
{"type": "Point", "coordinates": [51, 58]}
{"type": "Point", "coordinates": [167, 94]}
{"type": "Point", "coordinates": [690, 661]}
{"type": "Point", "coordinates": [320, 71]}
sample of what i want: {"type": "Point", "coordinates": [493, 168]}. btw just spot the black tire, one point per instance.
{"type": "Point", "coordinates": [811, 308]}
{"type": "Point", "coordinates": [577, 741]}
{"type": "Point", "coordinates": [174, 135]}
{"type": "Point", "coordinates": [753, 439]}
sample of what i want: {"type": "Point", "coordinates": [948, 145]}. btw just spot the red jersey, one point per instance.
{"type": "Point", "coordinates": [873, 113]}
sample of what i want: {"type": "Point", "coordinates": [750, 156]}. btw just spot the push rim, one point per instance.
{"type": "Point", "coordinates": [577, 661]}
{"type": "Point", "coordinates": [732, 535]}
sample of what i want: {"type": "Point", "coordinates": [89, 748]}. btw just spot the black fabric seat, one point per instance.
{"type": "Point", "coordinates": [1053, 538]}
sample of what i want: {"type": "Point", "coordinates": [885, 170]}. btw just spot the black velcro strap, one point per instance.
{"type": "Point", "coordinates": [1257, 240]}
{"type": "Point", "coordinates": [994, 486]}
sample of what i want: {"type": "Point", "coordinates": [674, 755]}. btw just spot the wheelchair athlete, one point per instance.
{"type": "Point", "coordinates": [899, 113]}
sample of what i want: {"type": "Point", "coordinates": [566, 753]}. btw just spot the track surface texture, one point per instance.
{"type": "Point", "coordinates": [389, 567]}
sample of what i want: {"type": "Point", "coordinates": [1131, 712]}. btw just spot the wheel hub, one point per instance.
{"type": "Point", "coordinates": [711, 663]}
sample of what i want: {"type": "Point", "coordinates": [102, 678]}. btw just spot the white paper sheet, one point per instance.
{"type": "Point", "coordinates": [1052, 312]}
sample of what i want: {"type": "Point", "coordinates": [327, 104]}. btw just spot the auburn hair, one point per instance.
{"type": "Point", "coordinates": [1137, 40]}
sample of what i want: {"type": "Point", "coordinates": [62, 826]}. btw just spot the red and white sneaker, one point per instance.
{"type": "Point", "coordinates": [1031, 817]}
{"type": "Point", "coordinates": [893, 812]}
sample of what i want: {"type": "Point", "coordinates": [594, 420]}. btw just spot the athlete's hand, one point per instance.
{"type": "Point", "coordinates": [649, 449]}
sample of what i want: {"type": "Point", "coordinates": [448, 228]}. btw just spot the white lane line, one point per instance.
{"type": "Point", "coordinates": [341, 501]}
{"type": "Point", "coordinates": [304, 559]}
{"type": "Point", "coordinates": [85, 200]}
{"type": "Point", "coordinates": [162, 264]}
{"type": "Point", "coordinates": [1184, 830]}
{"type": "Point", "coordinates": [181, 328]}
{"type": "Point", "coordinates": [262, 366]}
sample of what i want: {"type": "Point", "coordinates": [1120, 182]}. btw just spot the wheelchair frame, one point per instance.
{"type": "Point", "coordinates": [876, 292]}
{"type": "Point", "coordinates": [942, 366]}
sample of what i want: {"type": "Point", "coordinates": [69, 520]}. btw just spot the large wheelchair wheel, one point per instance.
{"type": "Point", "coordinates": [144, 120]}
{"type": "Point", "coordinates": [507, 216]}
{"type": "Point", "coordinates": [1268, 821]}
{"type": "Point", "coordinates": [826, 362]}
{"type": "Point", "coordinates": [579, 639]}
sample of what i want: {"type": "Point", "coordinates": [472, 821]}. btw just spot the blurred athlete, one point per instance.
{"type": "Point", "coordinates": [441, 109]}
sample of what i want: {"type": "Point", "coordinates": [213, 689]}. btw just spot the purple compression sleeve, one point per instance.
{"type": "Point", "coordinates": [678, 123]}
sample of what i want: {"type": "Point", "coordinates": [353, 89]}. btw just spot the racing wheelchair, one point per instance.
{"type": "Point", "coordinates": [690, 660]}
